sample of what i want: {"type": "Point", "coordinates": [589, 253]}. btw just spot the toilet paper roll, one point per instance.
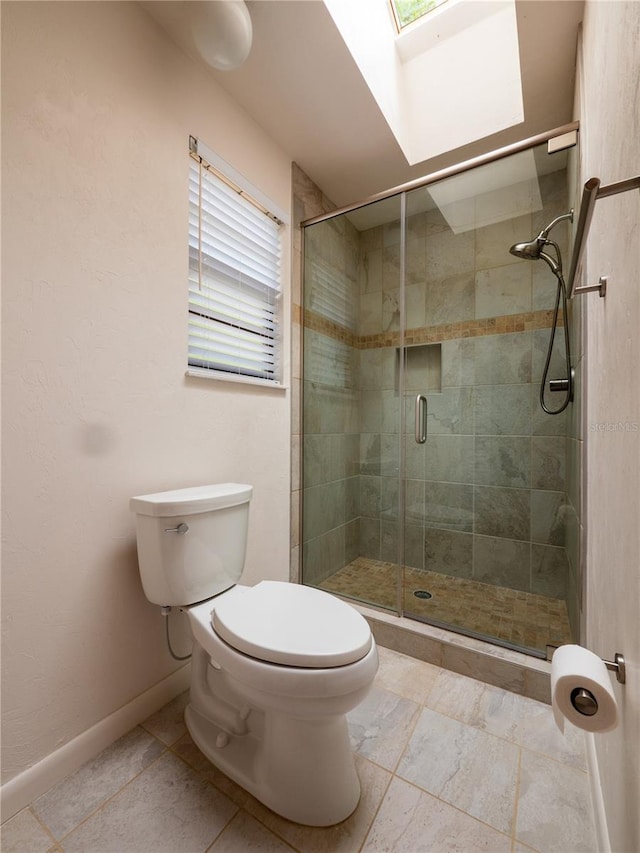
{"type": "Point", "coordinates": [574, 668]}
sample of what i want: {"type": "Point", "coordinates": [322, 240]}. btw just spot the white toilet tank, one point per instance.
{"type": "Point", "coordinates": [191, 542]}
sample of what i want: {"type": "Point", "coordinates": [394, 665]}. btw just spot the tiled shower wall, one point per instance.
{"type": "Point", "coordinates": [486, 495]}
{"type": "Point", "coordinates": [332, 410]}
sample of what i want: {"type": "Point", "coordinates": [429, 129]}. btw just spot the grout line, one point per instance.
{"type": "Point", "coordinates": [201, 773]}
{"type": "Point", "coordinates": [452, 805]}
{"type": "Point", "coordinates": [555, 760]}
{"type": "Point", "coordinates": [514, 819]}
{"type": "Point", "coordinates": [418, 714]}
{"type": "Point", "coordinates": [117, 793]}
{"type": "Point", "coordinates": [41, 822]}
{"type": "Point", "coordinates": [376, 811]}
{"type": "Point", "coordinates": [502, 737]}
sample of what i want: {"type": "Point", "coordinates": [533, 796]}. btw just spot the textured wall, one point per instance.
{"type": "Point", "coordinates": [610, 121]}
{"type": "Point", "coordinates": [97, 107]}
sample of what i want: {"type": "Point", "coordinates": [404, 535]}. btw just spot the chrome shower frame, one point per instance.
{"type": "Point", "coordinates": [450, 171]}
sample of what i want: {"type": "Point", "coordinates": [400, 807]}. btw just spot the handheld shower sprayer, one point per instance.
{"type": "Point", "coordinates": [533, 250]}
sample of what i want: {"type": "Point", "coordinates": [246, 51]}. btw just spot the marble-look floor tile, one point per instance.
{"type": "Point", "coordinates": [70, 801]}
{"type": "Point", "coordinates": [167, 724]}
{"type": "Point", "coordinates": [166, 808]}
{"type": "Point", "coordinates": [23, 833]}
{"type": "Point", "coordinates": [517, 718]}
{"type": "Point", "coordinates": [245, 834]}
{"type": "Point", "coordinates": [466, 767]}
{"type": "Point", "coordinates": [460, 780]}
{"type": "Point", "coordinates": [554, 807]}
{"type": "Point", "coordinates": [345, 837]}
{"type": "Point", "coordinates": [380, 726]}
{"type": "Point", "coordinates": [189, 752]}
{"type": "Point", "coordinates": [412, 820]}
{"type": "Point", "coordinates": [406, 676]}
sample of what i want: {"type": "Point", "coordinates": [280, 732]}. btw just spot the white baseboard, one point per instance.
{"type": "Point", "coordinates": [599, 814]}
{"type": "Point", "coordinates": [32, 783]}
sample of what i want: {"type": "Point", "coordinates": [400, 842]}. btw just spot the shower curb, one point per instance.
{"type": "Point", "coordinates": [514, 671]}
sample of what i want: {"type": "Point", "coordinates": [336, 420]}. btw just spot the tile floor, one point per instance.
{"type": "Point", "coordinates": [446, 763]}
{"type": "Point", "coordinates": [522, 618]}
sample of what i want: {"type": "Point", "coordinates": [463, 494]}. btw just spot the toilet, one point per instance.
{"type": "Point", "coordinates": [275, 667]}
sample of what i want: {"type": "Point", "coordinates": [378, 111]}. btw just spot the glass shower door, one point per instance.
{"type": "Point", "coordinates": [351, 415]}
{"type": "Point", "coordinates": [486, 495]}
{"type": "Point", "coordinates": [439, 442]}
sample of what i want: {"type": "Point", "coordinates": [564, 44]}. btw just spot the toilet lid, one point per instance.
{"type": "Point", "coordinates": [291, 624]}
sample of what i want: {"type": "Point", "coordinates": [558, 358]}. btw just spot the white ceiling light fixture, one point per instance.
{"type": "Point", "coordinates": [221, 31]}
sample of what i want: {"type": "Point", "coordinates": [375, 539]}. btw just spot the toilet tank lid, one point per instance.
{"type": "Point", "coordinates": [193, 500]}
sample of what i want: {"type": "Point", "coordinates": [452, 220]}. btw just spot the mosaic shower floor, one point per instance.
{"type": "Point", "coordinates": [522, 618]}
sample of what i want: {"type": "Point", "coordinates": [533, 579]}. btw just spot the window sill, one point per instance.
{"type": "Point", "coordinates": [196, 373]}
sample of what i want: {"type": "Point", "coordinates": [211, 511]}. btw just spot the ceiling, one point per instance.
{"type": "Point", "coordinates": [302, 86]}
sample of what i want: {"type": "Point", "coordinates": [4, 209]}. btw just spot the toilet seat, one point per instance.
{"type": "Point", "coordinates": [291, 625]}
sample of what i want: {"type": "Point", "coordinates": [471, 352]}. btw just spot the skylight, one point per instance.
{"type": "Point", "coordinates": [407, 11]}
{"type": "Point", "coordinates": [449, 79]}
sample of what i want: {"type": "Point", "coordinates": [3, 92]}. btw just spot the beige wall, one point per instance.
{"type": "Point", "coordinates": [97, 107]}
{"type": "Point", "coordinates": [610, 141]}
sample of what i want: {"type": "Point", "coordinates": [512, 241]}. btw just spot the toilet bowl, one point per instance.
{"type": "Point", "coordinates": [268, 702]}
{"type": "Point", "coordinates": [275, 667]}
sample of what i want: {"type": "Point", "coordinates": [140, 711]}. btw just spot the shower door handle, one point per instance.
{"type": "Point", "coordinates": [421, 419]}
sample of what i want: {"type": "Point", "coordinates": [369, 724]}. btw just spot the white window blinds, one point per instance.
{"type": "Point", "coordinates": [234, 279]}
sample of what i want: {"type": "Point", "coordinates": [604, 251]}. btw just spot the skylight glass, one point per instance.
{"type": "Point", "coordinates": [408, 11]}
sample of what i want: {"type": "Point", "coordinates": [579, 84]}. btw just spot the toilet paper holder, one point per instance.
{"type": "Point", "coordinates": [616, 665]}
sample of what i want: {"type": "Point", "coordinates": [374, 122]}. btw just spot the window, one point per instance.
{"type": "Point", "coordinates": [408, 11]}
{"type": "Point", "coordinates": [234, 278]}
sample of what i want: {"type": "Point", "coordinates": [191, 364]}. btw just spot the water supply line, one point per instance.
{"type": "Point", "coordinates": [166, 610]}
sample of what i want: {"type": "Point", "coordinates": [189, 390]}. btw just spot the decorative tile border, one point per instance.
{"type": "Point", "coordinates": [506, 324]}
{"type": "Point", "coordinates": [318, 323]}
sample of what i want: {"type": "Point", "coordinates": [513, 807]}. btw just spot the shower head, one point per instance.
{"type": "Point", "coordinates": [529, 251]}
{"type": "Point", "coordinates": [532, 250]}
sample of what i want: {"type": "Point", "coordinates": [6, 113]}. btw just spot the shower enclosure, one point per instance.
{"type": "Point", "coordinates": [434, 485]}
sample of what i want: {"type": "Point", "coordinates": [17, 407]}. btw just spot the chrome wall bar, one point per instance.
{"type": "Point", "coordinates": [587, 204]}
{"type": "Point", "coordinates": [591, 193]}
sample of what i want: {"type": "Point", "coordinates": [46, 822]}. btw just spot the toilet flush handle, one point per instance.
{"type": "Point", "coordinates": [182, 528]}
